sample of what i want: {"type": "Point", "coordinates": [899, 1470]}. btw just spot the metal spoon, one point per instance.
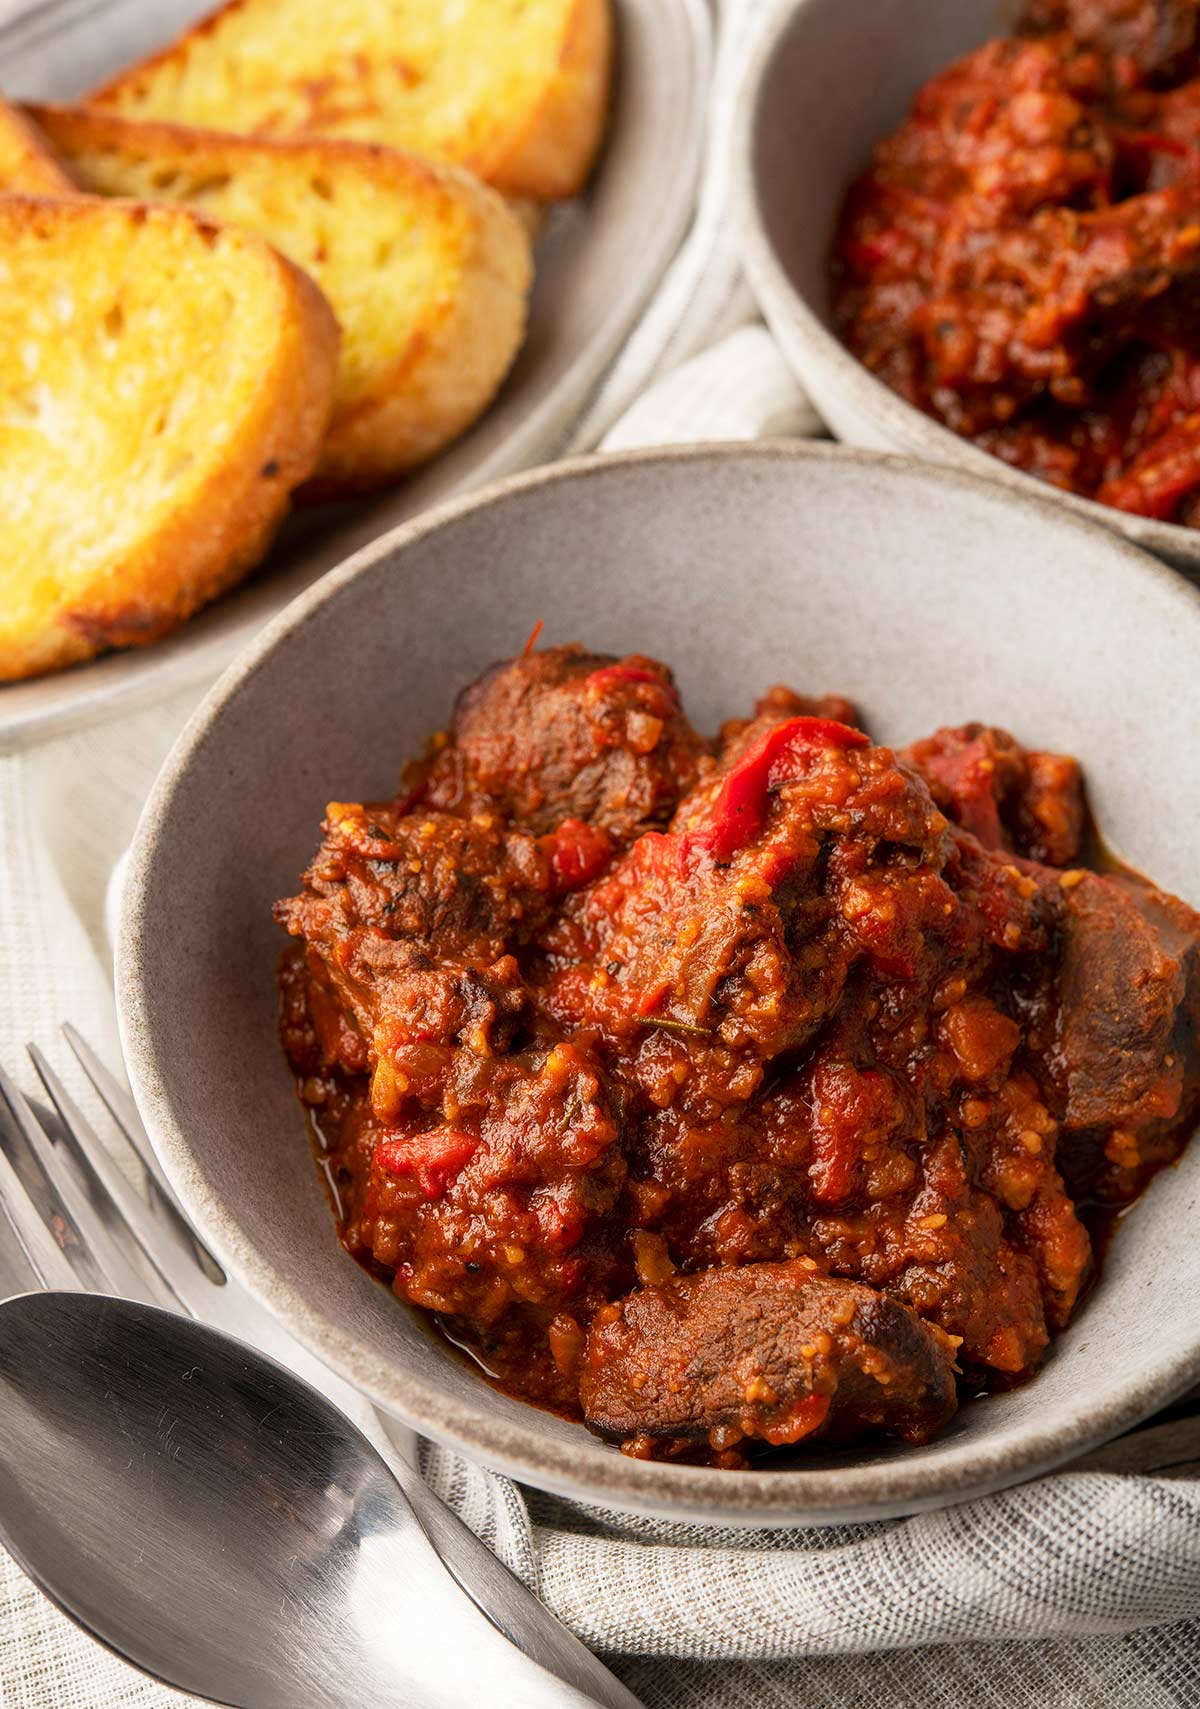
{"type": "Point", "coordinates": [215, 1521]}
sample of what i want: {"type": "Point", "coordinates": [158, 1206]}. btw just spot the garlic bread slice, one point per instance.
{"type": "Point", "coordinates": [164, 385]}
{"type": "Point", "coordinates": [426, 269]}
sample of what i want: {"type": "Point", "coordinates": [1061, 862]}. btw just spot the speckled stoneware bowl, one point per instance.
{"type": "Point", "coordinates": [927, 595]}
{"type": "Point", "coordinates": [799, 148]}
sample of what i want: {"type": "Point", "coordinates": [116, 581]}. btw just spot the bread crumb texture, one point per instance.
{"type": "Point", "coordinates": [164, 385]}
{"type": "Point", "coordinates": [427, 270]}
{"type": "Point", "coordinates": [515, 90]}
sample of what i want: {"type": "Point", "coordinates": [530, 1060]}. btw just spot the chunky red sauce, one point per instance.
{"type": "Point", "coordinates": [730, 1094]}
{"type": "Point", "coordinates": [1021, 260]}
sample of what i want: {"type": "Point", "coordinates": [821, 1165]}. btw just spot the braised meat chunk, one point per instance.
{"type": "Point", "coordinates": [739, 926]}
{"type": "Point", "coordinates": [1150, 39]}
{"type": "Point", "coordinates": [772, 1351]}
{"type": "Point", "coordinates": [727, 1096]}
{"type": "Point", "coordinates": [408, 920]}
{"type": "Point", "coordinates": [564, 734]}
{"type": "Point", "coordinates": [1009, 798]}
{"type": "Point", "coordinates": [460, 888]}
{"type": "Point", "coordinates": [1122, 1059]}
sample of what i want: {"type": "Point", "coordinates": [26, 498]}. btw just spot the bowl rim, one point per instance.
{"type": "Point", "coordinates": [592, 1471]}
{"type": "Point", "coordinates": [794, 320]}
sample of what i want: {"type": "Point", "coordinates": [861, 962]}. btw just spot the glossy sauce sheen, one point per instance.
{"type": "Point", "coordinates": [1022, 259]}
{"type": "Point", "coordinates": [732, 1094]}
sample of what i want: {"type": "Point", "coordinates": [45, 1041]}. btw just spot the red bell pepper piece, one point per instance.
{"type": "Point", "coordinates": [740, 810]}
{"type": "Point", "coordinates": [613, 674]}
{"type": "Point", "coordinates": [1153, 142]}
{"type": "Point", "coordinates": [434, 1158]}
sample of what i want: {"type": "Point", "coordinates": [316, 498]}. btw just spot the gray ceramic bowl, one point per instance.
{"type": "Point", "coordinates": [798, 151]}
{"type": "Point", "coordinates": [929, 596]}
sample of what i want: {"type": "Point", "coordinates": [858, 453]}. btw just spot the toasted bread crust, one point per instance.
{"type": "Point", "coordinates": [171, 545]}
{"type": "Point", "coordinates": [424, 352]}
{"type": "Point", "coordinates": [551, 158]}
{"type": "Point", "coordinates": [26, 164]}
{"type": "Point", "coordinates": [455, 358]}
{"type": "Point", "coordinates": [535, 134]}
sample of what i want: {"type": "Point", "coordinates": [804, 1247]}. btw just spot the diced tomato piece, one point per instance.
{"type": "Point", "coordinates": [866, 253]}
{"type": "Point", "coordinates": [579, 853]}
{"type": "Point", "coordinates": [799, 1421]}
{"type": "Point", "coordinates": [966, 769]}
{"type": "Point", "coordinates": [651, 997]}
{"type": "Point", "coordinates": [561, 1224]}
{"type": "Point", "coordinates": [832, 1169]}
{"type": "Point", "coordinates": [1162, 476]}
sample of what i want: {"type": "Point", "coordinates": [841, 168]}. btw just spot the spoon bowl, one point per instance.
{"type": "Point", "coordinates": [218, 1523]}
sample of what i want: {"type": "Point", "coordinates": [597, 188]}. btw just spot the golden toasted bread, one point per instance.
{"type": "Point", "coordinates": [26, 164]}
{"type": "Point", "coordinates": [164, 384]}
{"type": "Point", "coordinates": [426, 269]}
{"type": "Point", "coordinates": [515, 90]}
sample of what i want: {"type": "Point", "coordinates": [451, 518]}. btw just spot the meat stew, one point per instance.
{"type": "Point", "coordinates": [1021, 260]}
{"type": "Point", "coordinates": [732, 1095]}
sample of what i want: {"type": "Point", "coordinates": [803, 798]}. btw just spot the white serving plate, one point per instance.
{"type": "Point", "coordinates": [597, 265]}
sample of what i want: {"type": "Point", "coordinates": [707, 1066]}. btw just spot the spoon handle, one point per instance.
{"type": "Point", "coordinates": [511, 1607]}
{"type": "Point", "coordinates": [498, 1594]}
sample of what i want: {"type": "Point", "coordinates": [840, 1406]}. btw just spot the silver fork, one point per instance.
{"type": "Point", "coordinates": [88, 1228]}
{"type": "Point", "coordinates": [84, 1227]}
